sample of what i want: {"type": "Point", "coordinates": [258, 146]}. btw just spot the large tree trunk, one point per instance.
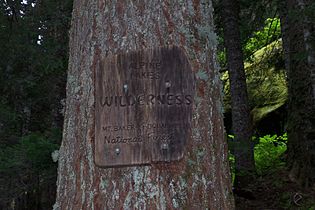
{"type": "Point", "coordinates": [201, 179]}
{"type": "Point", "coordinates": [309, 37]}
{"type": "Point", "coordinates": [301, 106]}
{"type": "Point", "coordinates": [241, 119]}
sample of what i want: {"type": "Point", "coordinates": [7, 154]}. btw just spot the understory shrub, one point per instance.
{"type": "Point", "coordinates": [268, 153]}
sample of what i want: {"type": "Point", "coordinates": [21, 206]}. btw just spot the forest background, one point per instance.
{"type": "Point", "coordinates": [277, 42]}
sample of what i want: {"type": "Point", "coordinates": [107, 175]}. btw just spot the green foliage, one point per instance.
{"type": "Point", "coordinates": [266, 82]}
{"type": "Point", "coordinates": [269, 33]}
{"type": "Point", "coordinates": [268, 153]}
{"type": "Point", "coordinates": [265, 76]}
{"type": "Point", "coordinates": [32, 152]}
{"type": "Point", "coordinates": [8, 123]}
{"type": "Point", "coordinates": [232, 166]}
{"type": "Point", "coordinates": [266, 34]}
{"type": "Point", "coordinates": [33, 64]}
{"type": "Point", "coordinates": [27, 168]}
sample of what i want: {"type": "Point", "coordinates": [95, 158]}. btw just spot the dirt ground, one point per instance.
{"type": "Point", "coordinates": [275, 191]}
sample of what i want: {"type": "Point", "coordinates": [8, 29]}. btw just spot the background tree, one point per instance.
{"type": "Point", "coordinates": [33, 52]}
{"type": "Point", "coordinates": [298, 39]}
{"type": "Point", "coordinates": [243, 147]}
{"type": "Point", "coordinates": [201, 179]}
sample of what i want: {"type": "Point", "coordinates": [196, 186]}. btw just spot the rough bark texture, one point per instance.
{"type": "Point", "coordinates": [202, 179]}
{"type": "Point", "coordinates": [309, 38]}
{"type": "Point", "coordinates": [283, 13]}
{"type": "Point", "coordinates": [301, 107]}
{"type": "Point", "coordinates": [241, 119]}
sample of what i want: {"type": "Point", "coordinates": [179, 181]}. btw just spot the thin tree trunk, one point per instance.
{"type": "Point", "coordinates": [241, 118]}
{"type": "Point", "coordinates": [202, 179]}
{"type": "Point", "coordinates": [283, 13]}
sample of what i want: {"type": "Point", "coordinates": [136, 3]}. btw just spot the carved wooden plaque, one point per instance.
{"type": "Point", "coordinates": [143, 107]}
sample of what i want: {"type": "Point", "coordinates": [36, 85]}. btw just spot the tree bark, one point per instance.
{"type": "Point", "coordinates": [283, 13]}
{"type": "Point", "coordinates": [301, 103]}
{"type": "Point", "coordinates": [309, 36]}
{"type": "Point", "coordinates": [241, 118]}
{"type": "Point", "coordinates": [202, 179]}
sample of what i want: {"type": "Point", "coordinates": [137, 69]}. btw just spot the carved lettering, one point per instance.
{"type": "Point", "coordinates": [170, 99]}
{"type": "Point", "coordinates": [153, 64]}
{"type": "Point", "coordinates": [120, 139]}
{"type": "Point", "coordinates": [139, 128]}
{"type": "Point", "coordinates": [142, 99]}
{"type": "Point", "coordinates": [108, 101]}
{"type": "Point", "coordinates": [143, 107]}
{"type": "Point", "coordinates": [188, 99]}
{"type": "Point", "coordinates": [161, 99]}
{"type": "Point", "coordinates": [153, 137]}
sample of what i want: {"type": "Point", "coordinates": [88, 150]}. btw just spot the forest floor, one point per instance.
{"type": "Point", "coordinates": [275, 191]}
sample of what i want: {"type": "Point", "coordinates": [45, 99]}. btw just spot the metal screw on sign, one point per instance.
{"type": "Point", "coordinates": [117, 151]}
{"type": "Point", "coordinates": [125, 88]}
{"type": "Point", "coordinates": [168, 84]}
{"type": "Point", "coordinates": [164, 146]}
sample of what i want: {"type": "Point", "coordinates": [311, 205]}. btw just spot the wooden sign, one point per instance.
{"type": "Point", "coordinates": [143, 107]}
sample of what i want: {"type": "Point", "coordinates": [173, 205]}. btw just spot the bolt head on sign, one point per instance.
{"type": "Point", "coordinates": [143, 107]}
